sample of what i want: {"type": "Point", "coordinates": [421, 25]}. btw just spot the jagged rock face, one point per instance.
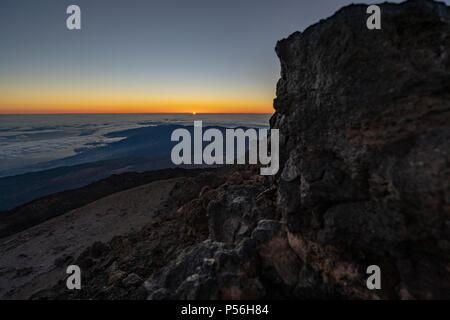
{"type": "Point", "coordinates": [260, 266]}
{"type": "Point", "coordinates": [364, 139]}
{"type": "Point", "coordinates": [235, 213]}
{"type": "Point", "coordinates": [209, 270]}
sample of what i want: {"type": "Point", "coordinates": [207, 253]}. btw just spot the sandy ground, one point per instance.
{"type": "Point", "coordinates": [27, 261]}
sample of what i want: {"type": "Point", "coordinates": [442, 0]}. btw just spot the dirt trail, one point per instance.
{"type": "Point", "coordinates": [27, 261]}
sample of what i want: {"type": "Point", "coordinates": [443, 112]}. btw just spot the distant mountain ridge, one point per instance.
{"type": "Point", "coordinates": [50, 206]}
{"type": "Point", "coordinates": [141, 149]}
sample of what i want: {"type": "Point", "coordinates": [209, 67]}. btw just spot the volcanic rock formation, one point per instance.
{"type": "Point", "coordinates": [364, 180]}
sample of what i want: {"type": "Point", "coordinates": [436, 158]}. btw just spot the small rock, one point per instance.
{"type": "Point", "coordinates": [112, 268]}
{"type": "Point", "coordinates": [131, 280]}
{"type": "Point", "coordinates": [236, 178]}
{"type": "Point", "coordinates": [116, 276]}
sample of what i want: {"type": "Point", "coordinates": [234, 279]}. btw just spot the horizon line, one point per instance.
{"type": "Point", "coordinates": [100, 113]}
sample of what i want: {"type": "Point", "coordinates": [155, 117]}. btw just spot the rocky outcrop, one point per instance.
{"type": "Point", "coordinates": [236, 211]}
{"type": "Point", "coordinates": [174, 245]}
{"type": "Point", "coordinates": [364, 125]}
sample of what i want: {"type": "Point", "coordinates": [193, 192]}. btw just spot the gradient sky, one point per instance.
{"type": "Point", "coordinates": [147, 56]}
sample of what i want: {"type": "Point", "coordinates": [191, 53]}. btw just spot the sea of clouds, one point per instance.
{"type": "Point", "coordinates": [28, 140]}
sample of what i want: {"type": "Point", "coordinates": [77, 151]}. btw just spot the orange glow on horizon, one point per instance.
{"type": "Point", "coordinates": [40, 105]}
{"type": "Point", "coordinates": [42, 98]}
{"type": "Point", "coordinates": [137, 109]}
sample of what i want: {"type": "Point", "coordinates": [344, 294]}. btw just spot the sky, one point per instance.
{"type": "Point", "coordinates": [147, 55]}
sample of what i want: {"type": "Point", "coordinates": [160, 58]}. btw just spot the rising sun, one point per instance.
{"type": "Point", "coordinates": [194, 113]}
